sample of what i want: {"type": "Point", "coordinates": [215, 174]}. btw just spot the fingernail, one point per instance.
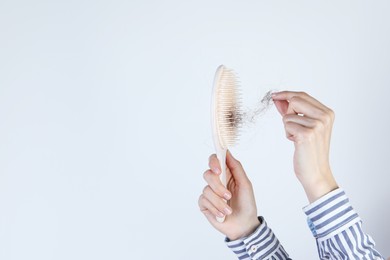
{"type": "Point", "coordinates": [273, 95]}
{"type": "Point", "coordinates": [216, 170]}
{"type": "Point", "coordinates": [227, 211]}
{"type": "Point", "coordinates": [227, 196]}
{"type": "Point", "coordinates": [220, 214]}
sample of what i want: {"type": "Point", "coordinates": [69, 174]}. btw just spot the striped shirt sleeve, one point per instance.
{"type": "Point", "coordinates": [338, 229]}
{"type": "Point", "coordinates": [262, 244]}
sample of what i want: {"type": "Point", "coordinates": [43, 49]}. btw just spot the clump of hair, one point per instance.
{"type": "Point", "coordinates": [251, 115]}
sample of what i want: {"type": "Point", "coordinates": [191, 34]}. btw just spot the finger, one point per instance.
{"type": "Point", "coordinates": [281, 106]}
{"type": "Point", "coordinates": [214, 164]}
{"type": "Point", "coordinates": [236, 169]}
{"type": "Point", "coordinates": [296, 132]}
{"type": "Point", "coordinates": [288, 95]}
{"type": "Point", "coordinates": [211, 217]}
{"type": "Point", "coordinates": [216, 185]}
{"type": "Point", "coordinates": [301, 120]}
{"type": "Point", "coordinates": [216, 201]}
{"type": "Point", "coordinates": [299, 105]}
{"type": "Point", "coordinates": [205, 204]}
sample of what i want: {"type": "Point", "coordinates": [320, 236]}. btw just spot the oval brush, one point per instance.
{"type": "Point", "coordinates": [225, 115]}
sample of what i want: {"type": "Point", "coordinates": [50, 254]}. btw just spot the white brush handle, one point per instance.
{"type": "Point", "coordinates": [218, 140]}
{"type": "Point", "coordinates": [221, 155]}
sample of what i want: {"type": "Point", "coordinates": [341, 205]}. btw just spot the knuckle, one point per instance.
{"type": "Point", "coordinates": [214, 211]}
{"type": "Point", "coordinates": [248, 184]}
{"type": "Point", "coordinates": [327, 118]}
{"type": "Point", "coordinates": [206, 175]}
{"type": "Point", "coordinates": [205, 189]}
{"type": "Point", "coordinates": [200, 200]}
{"type": "Point", "coordinates": [239, 163]}
{"type": "Point", "coordinates": [322, 115]}
{"type": "Point", "coordinates": [220, 191]}
{"type": "Point", "coordinates": [287, 125]}
{"type": "Point", "coordinates": [211, 157]}
{"type": "Point", "coordinates": [319, 125]}
{"type": "Point", "coordinates": [303, 93]}
{"type": "Point", "coordinates": [220, 205]}
{"type": "Point", "coordinates": [294, 99]}
{"type": "Point", "coordinates": [331, 114]}
{"type": "Point", "coordinates": [286, 118]}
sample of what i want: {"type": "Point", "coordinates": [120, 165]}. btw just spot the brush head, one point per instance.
{"type": "Point", "coordinates": [226, 108]}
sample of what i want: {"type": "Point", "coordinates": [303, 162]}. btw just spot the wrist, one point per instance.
{"type": "Point", "coordinates": [250, 229]}
{"type": "Point", "coordinates": [319, 187]}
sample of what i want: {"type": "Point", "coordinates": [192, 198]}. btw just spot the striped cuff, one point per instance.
{"type": "Point", "coordinates": [330, 215]}
{"type": "Point", "coordinates": [262, 244]}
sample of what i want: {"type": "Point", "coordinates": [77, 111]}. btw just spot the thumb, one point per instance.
{"type": "Point", "coordinates": [235, 168]}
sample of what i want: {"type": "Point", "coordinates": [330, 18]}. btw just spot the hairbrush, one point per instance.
{"type": "Point", "coordinates": [225, 115]}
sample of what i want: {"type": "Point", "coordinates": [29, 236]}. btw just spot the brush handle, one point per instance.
{"type": "Point", "coordinates": [221, 155]}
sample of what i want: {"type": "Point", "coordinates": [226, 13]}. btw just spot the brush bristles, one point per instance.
{"type": "Point", "coordinates": [229, 113]}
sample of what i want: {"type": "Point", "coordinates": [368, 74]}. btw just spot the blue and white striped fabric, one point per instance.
{"type": "Point", "coordinates": [333, 222]}
{"type": "Point", "coordinates": [262, 244]}
{"type": "Point", "coordinates": [338, 229]}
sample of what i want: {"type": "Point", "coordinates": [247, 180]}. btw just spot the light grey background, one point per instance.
{"type": "Point", "coordinates": [104, 120]}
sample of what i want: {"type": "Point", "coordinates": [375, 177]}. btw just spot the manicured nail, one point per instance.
{"type": "Point", "coordinates": [227, 196]}
{"type": "Point", "coordinates": [220, 214]}
{"type": "Point", "coordinates": [216, 170]}
{"type": "Point", "coordinates": [227, 211]}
